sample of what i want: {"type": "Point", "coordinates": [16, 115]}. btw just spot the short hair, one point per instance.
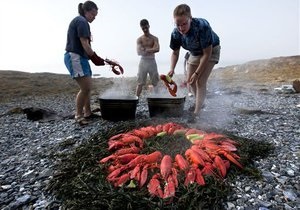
{"type": "Point", "coordinates": [144, 22]}
{"type": "Point", "coordinates": [182, 10]}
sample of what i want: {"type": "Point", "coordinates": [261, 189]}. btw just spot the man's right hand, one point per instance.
{"type": "Point", "coordinates": [97, 60]}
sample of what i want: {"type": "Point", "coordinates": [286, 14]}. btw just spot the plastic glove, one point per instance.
{"type": "Point", "coordinates": [97, 60]}
{"type": "Point", "coordinates": [115, 67]}
{"type": "Point", "coordinates": [110, 62]}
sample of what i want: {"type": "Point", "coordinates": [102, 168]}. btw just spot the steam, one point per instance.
{"type": "Point", "coordinates": [218, 106]}
{"type": "Point", "coordinates": [120, 89]}
{"type": "Point", "coordinates": [161, 91]}
{"type": "Point", "coordinates": [123, 88]}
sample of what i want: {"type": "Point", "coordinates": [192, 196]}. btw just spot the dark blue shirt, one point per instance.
{"type": "Point", "coordinates": [199, 37]}
{"type": "Point", "coordinates": [79, 27]}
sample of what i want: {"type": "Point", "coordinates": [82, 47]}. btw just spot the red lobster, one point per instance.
{"type": "Point", "coordinates": [115, 67]}
{"type": "Point", "coordinates": [168, 81]}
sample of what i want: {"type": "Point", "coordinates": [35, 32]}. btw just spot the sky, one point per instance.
{"type": "Point", "coordinates": [33, 32]}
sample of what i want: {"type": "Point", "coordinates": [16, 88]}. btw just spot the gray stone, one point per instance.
{"type": "Point", "coordinates": [265, 203]}
{"type": "Point", "coordinates": [290, 172]}
{"type": "Point", "coordinates": [290, 194]}
{"type": "Point", "coordinates": [230, 206]}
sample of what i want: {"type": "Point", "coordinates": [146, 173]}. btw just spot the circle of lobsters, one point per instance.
{"type": "Point", "coordinates": [209, 155]}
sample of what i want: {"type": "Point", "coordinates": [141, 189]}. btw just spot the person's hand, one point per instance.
{"type": "Point", "coordinates": [194, 78]}
{"type": "Point", "coordinates": [171, 73]}
{"type": "Point", "coordinates": [97, 60]}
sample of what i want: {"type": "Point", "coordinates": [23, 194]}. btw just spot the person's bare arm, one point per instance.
{"type": "Point", "coordinates": [204, 60]}
{"type": "Point", "coordinates": [86, 46]}
{"type": "Point", "coordinates": [139, 47]}
{"type": "Point", "coordinates": [155, 47]}
{"type": "Point", "coordinates": [202, 65]}
{"type": "Point", "coordinates": [174, 60]}
{"type": "Point", "coordinates": [98, 61]}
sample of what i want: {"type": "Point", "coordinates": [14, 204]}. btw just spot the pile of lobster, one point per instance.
{"type": "Point", "coordinates": [170, 84]}
{"type": "Point", "coordinates": [210, 154]}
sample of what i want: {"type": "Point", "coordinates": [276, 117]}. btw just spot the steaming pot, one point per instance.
{"type": "Point", "coordinates": [166, 106]}
{"type": "Point", "coordinates": [118, 108]}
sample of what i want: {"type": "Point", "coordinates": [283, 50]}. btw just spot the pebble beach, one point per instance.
{"type": "Point", "coordinates": [26, 148]}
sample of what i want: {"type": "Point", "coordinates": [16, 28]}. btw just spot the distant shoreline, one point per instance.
{"type": "Point", "coordinates": [163, 68]}
{"type": "Point", "coordinates": [254, 74]}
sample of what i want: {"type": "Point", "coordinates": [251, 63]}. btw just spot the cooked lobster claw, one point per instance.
{"type": "Point", "coordinates": [115, 67]}
{"type": "Point", "coordinates": [170, 84]}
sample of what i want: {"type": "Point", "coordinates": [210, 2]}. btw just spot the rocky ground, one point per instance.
{"type": "Point", "coordinates": [26, 146]}
{"type": "Point", "coordinates": [257, 113]}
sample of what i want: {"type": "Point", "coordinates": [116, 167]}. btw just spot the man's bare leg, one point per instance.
{"type": "Point", "coordinates": [139, 89]}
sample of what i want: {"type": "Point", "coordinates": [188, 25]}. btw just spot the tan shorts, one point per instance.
{"type": "Point", "coordinates": [215, 56]}
{"type": "Point", "coordinates": [147, 66]}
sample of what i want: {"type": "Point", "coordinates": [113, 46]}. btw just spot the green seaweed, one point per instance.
{"type": "Point", "coordinates": [80, 181]}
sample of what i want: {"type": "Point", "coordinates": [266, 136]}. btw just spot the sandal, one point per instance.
{"type": "Point", "coordinates": [82, 121]}
{"type": "Point", "coordinates": [92, 116]}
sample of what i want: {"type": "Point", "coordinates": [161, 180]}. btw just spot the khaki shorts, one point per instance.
{"type": "Point", "coordinates": [215, 56]}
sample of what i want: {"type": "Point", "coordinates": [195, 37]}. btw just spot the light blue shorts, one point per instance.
{"type": "Point", "coordinates": [77, 65]}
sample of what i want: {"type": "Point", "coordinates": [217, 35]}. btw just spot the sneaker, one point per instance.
{"type": "Point", "coordinates": [191, 118]}
{"type": "Point", "coordinates": [190, 94]}
{"type": "Point", "coordinates": [192, 108]}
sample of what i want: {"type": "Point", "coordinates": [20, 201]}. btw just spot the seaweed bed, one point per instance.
{"type": "Point", "coordinates": [80, 182]}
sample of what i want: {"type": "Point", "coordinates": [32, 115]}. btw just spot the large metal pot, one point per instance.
{"type": "Point", "coordinates": [118, 108]}
{"type": "Point", "coordinates": [166, 107]}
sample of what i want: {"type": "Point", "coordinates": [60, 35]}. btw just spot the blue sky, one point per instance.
{"type": "Point", "coordinates": [33, 32]}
